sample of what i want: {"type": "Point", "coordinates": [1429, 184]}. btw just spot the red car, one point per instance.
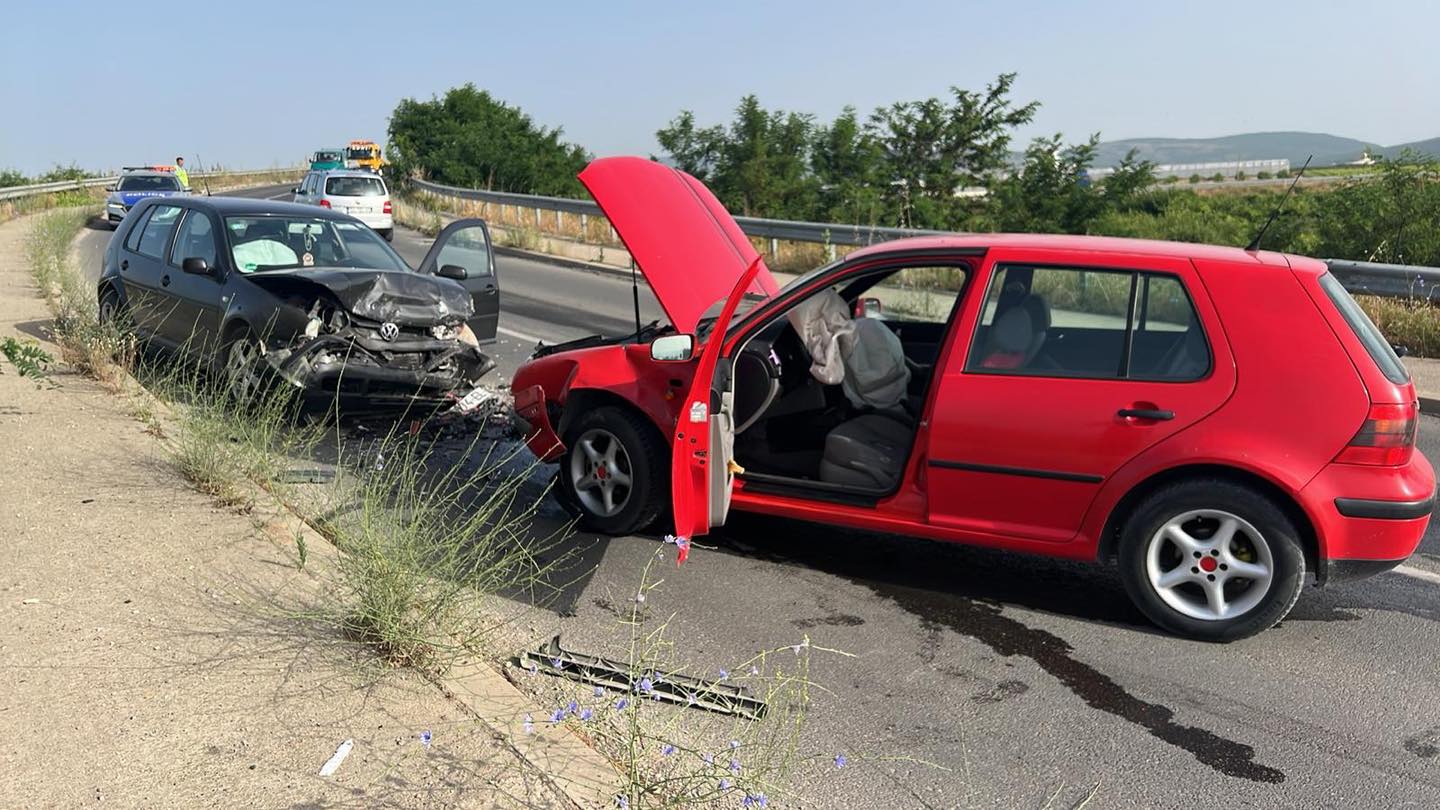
{"type": "Point", "coordinates": [1220, 422]}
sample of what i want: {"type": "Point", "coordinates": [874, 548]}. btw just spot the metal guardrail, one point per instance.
{"type": "Point", "coordinates": [15, 192]}
{"type": "Point", "coordinates": [1366, 278]}
{"type": "Point", "coordinates": [788, 230]}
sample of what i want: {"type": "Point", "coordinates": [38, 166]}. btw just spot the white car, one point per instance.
{"type": "Point", "coordinates": [360, 194]}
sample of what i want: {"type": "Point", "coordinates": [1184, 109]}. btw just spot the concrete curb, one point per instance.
{"type": "Point", "coordinates": [1429, 406]}
{"type": "Point", "coordinates": [560, 756]}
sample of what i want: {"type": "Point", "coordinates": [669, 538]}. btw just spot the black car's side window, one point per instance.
{"type": "Point", "coordinates": [132, 239]}
{"type": "Point", "coordinates": [196, 240]}
{"type": "Point", "coordinates": [157, 231]}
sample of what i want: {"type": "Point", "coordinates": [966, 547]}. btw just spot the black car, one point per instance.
{"type": "Point", "coordinates": [257, 288]}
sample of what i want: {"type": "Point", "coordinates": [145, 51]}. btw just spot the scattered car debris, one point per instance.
{"type": "Point", "coordinates": [716, 696]}
{"type": "Point", "coordinates": [306, 475]}
{"type": "Point", "coordinates": [333, 763]}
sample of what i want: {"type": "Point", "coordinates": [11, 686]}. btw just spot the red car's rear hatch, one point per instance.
{"type": "Point", "coordinates": [681, 237]}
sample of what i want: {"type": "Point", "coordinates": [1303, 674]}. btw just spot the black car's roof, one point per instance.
{"type": "Point", "coordinates": [241, 206]}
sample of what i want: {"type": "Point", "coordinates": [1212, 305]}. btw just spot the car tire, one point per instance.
{"type": "Point", "coordinates": [614, 475]}
{"type": "Point", "coordinates": [388, 234]}
{"type": "Point", "coordinates": [112, 310]}
{"type": "Point", "coordinates": [1185, 549]}
{"type": "Point", "coordinates": [241, 366]}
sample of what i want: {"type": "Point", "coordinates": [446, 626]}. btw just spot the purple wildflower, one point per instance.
{"type": "Point", "coordinates": [585, 715]}
{"type": "Point", "coordinates": [724, 674]}
{"type": "Point", "coordinates": [757, 800]}
{"type": "Point", "coordinates": [599, 691]}
{"type": "Point", "coordinates": [529, 725]}
{"type": "Point", "coordinates": [709, 759]}
{"type": "Point", "coordinates": [622, 803]}
{"type": "Point", "coordinates": [734, 766]}
{"type": "Point", "coordinates": [557, 716]}
{"type": "Point", "coordinates": [572, 708]}
{"type": "Point", "coordinates": [690, 698]}
{"type": "Point", "coordinates": [426, 737]}
{"type": "Point", "coordinates": [667, 749]}
{"type": "Point", "coordinates": [646, 685]}
{"type": "Point", "coordinates": [734, 744]}
{"type": "Point", "coordinates": [621, 704]}
{"type": "Point", "coordinates": [725, 783]}
{"type": "Point", "coordinates": [839, 760]}
{"type": "Point", "coordinates": [531, 667]}
{"type": "Point", "coordinates": [754, 670]}
{"type": "Point", "coordinates": [557, 663]}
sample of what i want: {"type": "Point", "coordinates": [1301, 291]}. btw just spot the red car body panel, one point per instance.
{"type": "Point", "coordinates": [680, 236]}
{"type": "Point", "coordinates": [1289, 386]}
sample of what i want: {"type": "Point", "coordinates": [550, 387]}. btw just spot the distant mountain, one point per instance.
{"type": "Point", "coordinates": [1327, 149]}
{"type": "Point", "coordinates": [1430, 147]}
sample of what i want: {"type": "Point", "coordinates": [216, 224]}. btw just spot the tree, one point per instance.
{"type": "Point", "coordinates": [472, 140]}
{"type": "Point", "coordinates": [1129, 180]}
{"type": "Point", "coordinates": [930, 149]}
{"type": "Point", "coordinates": [58, 173]}
{"type": "Point", "coordinates": [1050, 193]}
{"type": "Point", "coordinates": [1194, 178]}
{"type": "Point", "coordinates": [11, 177]}
{"type": "Point", "coordinates": [846, 162]}
{"type": "Point", "coordinates": [692, 150]}
{"type": "Point", "coordinates": [1392, 215]}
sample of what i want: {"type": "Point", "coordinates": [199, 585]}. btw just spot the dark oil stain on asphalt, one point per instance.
{"type": "Point", "coordinates": [1007, 636]}
{"type": "Point", "coordinates": [833, 620]}
{"type": "Point", "coordinates": [1425, 745]}
{"type": "Point", "coordinates": [1001, 691]}
{"type": "Point", "coordinates": [927, 580]}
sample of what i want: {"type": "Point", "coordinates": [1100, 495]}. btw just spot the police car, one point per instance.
{"type": "Point", "coordinates": [137, 183]}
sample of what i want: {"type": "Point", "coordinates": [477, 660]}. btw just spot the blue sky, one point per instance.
{"type": "Point", "coordinates": [257, 83]}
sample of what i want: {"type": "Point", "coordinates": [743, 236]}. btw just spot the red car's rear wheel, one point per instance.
{"type": "Point", "coordinates": [1212, 559]}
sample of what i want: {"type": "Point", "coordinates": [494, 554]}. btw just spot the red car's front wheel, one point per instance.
{"type": "Point", "coordinates": [613, 474]}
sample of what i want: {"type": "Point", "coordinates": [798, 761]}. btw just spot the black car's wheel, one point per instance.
{"type": "Point", "coordinates": [388, 234]}
{"type": "Point", "coordinates": [242, 365]}
{"type": "Point", "coordinates": [1212, 559]}
{"type": "Point", "coordinates": [614, 473]}
{"type": "Point", "coordinates": [113, 312]}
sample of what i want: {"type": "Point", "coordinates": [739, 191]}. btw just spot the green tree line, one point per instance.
{"type": "Point", "coordinates": [13, 177]}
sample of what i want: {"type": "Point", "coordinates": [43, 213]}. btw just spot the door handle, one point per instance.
{"type": "Point", "coordinates": [125, 264]}
{"type": "Point", "coordinates": [165, 280]}
{"type": "Point", "coordinates": [1146, 413]}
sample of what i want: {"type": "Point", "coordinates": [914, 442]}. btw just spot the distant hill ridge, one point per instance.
{"type": "Point", "coordinates": [1327, 149]}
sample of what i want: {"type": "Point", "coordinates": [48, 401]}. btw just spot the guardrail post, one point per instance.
{"type": "Point", "coordinates": [560, 221]}
{"type": "Point", "coordinates": [537, 216]}
{"type": "Point", "coordinates": [584, 227]}
{"type": "Point", "coordinates": [829, 251]}
{"type": "Point", "coordinates": [774, 248]}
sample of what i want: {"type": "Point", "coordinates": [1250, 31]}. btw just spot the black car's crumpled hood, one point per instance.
{"type": "Point", "coordinates": [404, 298]}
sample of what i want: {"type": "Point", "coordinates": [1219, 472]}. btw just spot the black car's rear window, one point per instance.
{"type": "Point", "coordinates": [149, 182]}
{"type": "Point", "coordinates": [1375, 343]}
{"type": "Point", "coordinates": [354, 187]}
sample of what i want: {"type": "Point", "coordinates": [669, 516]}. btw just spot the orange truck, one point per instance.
{"type": "Point", "coordinates": [364, 155]}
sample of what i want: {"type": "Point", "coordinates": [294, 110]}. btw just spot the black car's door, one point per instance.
{"type": "Point", "coordinates": [194, 306]}
{"type": "Point", "coordinates": [142, 259]}
{"type": "Point", "coordinates": [466, 243]}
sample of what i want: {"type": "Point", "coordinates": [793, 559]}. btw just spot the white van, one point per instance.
{"type": "Point", "coordinates": [361, 194]}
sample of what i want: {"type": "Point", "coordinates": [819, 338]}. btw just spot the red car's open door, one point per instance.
{"type": "Point", "coordinates": [702, 467]}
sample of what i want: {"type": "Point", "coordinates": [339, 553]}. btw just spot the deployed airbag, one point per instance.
{"type": "Point", "coordinates": [820, 320]}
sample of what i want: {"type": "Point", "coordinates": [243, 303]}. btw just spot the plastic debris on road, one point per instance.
{"type": "Point", "coordinates": [333, 764]}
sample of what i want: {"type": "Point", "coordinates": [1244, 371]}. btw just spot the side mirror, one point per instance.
{"type": "Point", "coordinates": [868, 308]}
{"type": "Point", "coordinates": [111, 187]}
{"type": "Point", "coordinates": [195, 266]}
{"type": "Point", "coordinates": [672, 348]}
{"type": "Point", "coordinates": [295, 191]}
{"type": "Point", "coordinates": [454, 271]}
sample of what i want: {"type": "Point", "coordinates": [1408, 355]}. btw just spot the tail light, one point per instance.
{"type": "Point", "coordinates": [1386, 439]}
{"type": "Point", "coordinates": [324, 203]}
{"type": "Point", "coordinates": [387, 208]}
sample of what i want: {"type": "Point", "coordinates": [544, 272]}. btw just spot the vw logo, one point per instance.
{"type": "Point", "coordinates": [389, 331]}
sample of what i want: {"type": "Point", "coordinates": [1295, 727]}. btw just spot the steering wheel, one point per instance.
{"type": "Point", "coordinates": [757, 382]}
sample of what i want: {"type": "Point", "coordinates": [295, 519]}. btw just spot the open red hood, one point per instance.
{"type": "Point", "coordinates": [681, 237]}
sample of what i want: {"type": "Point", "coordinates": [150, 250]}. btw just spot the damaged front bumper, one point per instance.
{"type": "Point", "coordinates": [380, 373]}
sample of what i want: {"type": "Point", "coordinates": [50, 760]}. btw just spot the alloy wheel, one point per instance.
{"type": "Point", "coordinates": [1209, 564]}
{"type": "Point", "coordinates": [600, 472]}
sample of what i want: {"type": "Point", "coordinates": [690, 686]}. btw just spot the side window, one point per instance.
{"type": "Point", "coordinates": [914, 294]}
{"type": "Point", "coordinates": [469, 248]}
{"type": "Point", "coordinates": [1168, 343]}
{"type": "Point", "coordinates": [196, 240]}
{"type": "Point", "coordinates": [1028, 310]}
{"type": "Point", "coordinates": [1064, 322]}
{"type": "Point", "coordinates": [157, 231]}
{"type": "Point", "coordinates": [132, 239]}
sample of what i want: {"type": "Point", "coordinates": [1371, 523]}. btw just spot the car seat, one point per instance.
{"type": "Point", "coordinates": [868, 452]}
{"type": "Point", "coordinates": [1017, 335]}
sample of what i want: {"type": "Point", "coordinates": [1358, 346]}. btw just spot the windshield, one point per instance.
{"type": "Point", "coordinates": [360, 153]}
{"type": "Point", "coordinates": [149, 182]}
{"type": "Point", "coordinates": [323, 157]}
{"type": "Point", "coordinates": [259, 243]}
{"type": "Point", "coordinates": [354, 187]}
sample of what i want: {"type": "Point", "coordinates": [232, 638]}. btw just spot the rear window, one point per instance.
{"type": "Point", "coordinates": [149, 182]}
{"type": "Point", "coordinates": [1375, 343]}
{"type": "Point", "coordinates": [354, 187]}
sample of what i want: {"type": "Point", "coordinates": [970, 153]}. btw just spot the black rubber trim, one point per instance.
{"type": "Point", "coordinates": [1385, 510]}
{"type": "Point", "coordinates": [813, 490]}
{"type": "Point", "coordinates": [1024, 472]}
{"type": "Point", "coordinates": [1332, 571]}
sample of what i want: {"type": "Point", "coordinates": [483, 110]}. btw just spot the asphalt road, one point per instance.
{"type": "Point", "coordinates": [1030, 682]}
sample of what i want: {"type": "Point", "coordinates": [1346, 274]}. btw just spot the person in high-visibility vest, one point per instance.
{"type": "Point", "coordinates": [180, 173]}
